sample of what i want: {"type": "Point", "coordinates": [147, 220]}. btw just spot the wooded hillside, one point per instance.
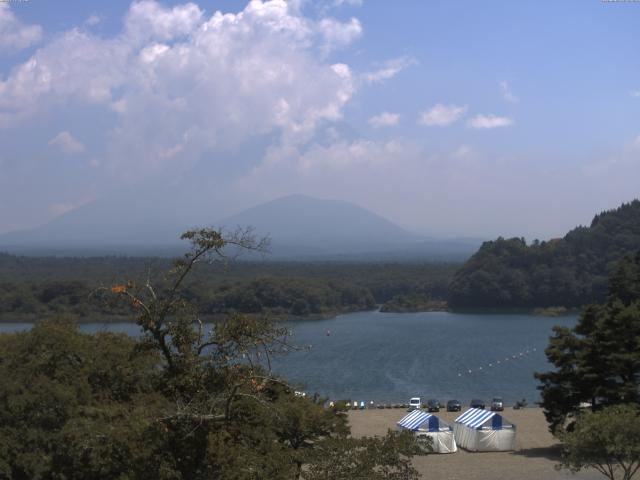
{"type": "Point", "coordinates": [571, 271]}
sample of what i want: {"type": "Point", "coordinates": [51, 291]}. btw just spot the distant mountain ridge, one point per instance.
{"type": "Point", "coordinates": [301, 227]}
{"type": "Point", "coordinates": [571, 271]}
{"type": "Point", "coordinates": [303, 220]}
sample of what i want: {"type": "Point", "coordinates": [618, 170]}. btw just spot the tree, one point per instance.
{"type": "Point", "coordinates": [567, 271]}
{"type": "Point", "coordinates": [77, 405]}
{"type": "Point", "coordinates": [179, 403]}
{"type": "Point", "coordinates": [607, 440]}
{"type": "Point", "coordinates": [597, 361]}
{"type": "Point", "coordinates": [386, 458]}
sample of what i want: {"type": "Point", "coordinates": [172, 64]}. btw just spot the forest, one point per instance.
{"type": "Point", "coordinates": [33, 287]}
{"type": "Point", "coordinates": [177, 403]}
{"type": "Point", "coordinates": [504, 274]}
{"type": "Point", "coordinates": [571, 271]}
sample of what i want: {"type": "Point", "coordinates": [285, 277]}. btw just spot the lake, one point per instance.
{"type": "Point", "coordinates": [390, 357]}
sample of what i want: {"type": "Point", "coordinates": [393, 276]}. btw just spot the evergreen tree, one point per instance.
{"type": "Point", "coordinates": [597, 361]}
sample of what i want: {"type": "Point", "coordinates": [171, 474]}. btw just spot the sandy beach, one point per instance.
{"type": "Point", "coordinates": [535, 458]}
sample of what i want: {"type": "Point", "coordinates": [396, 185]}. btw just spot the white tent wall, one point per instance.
{"type": "Point", "coordinates": [424, 424]}
{"type": "Point", "coordinates": [496, 440]}
{"type": "Point", "coordinates": [485, 439]}
{"type": "Point", "coordinates": [477, 431]}
{"type": "Point", "coordinates": [441, 442]}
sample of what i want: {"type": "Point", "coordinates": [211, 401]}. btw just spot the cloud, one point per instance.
{"type": "Point", "coordinates": [388, 70]}
{"type": "Point", "coordinates": [93, 20]}
{"type": "Point", "coordinates": [635, 93]}
{"type": "Point", "coordinates": [67, 143]}
{"type": "Point", "coordinates": [347, 155]}
{"type": "Point", "coordinates": [507, 94]}
{"type": "Point", "coordinates": [14, 35]}
{"type": "Point", "coordinates": [339, 34]}
{"type": "Point", "coordinates": [331, 167]}
{"type": "Point", "coordinates": [442, 115]}
{"type": "Point", "coordinates": [489, 121]}
{"type": "Point", "coordinates": [148, 20]}
{"type": "Point", "coordinates": [385, 119]}
{"type": "Point", "coordinates": [181, 85]}
{"type": "Point", "coordinates": [353, 3]}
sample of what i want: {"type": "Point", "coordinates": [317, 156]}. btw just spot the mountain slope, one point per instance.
{"type": "Point", "coordinates": [305, 221]}
{"type": "Point", "coordinates": [571, 271]}
{"type": "Point", "coordinates": [298, 225]}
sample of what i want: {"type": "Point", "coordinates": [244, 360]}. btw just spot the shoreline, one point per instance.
{"type": "Point", "coordinates": [537, 451]}
{"type": "Point", "coordinates": [109, 319]}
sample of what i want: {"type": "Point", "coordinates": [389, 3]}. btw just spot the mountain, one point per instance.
{"type": "Point", "coordinates": [571, 271]}
{"type": "Point", "coordinates": [125, 222]}
{"type": "Point", "coordinates": [307, 228]}
{"type": "Point", "coordinates": [301, 227]}
{"type": "Point", "coordinates": [299, 220]}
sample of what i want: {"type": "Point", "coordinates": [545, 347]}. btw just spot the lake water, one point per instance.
{"type": "Point", "coordinates": [390, 357]}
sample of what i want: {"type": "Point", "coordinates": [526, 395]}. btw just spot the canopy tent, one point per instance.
{"type": "Point", "coordinates": [424, 424]}
{"type": "Point", "coordinates": [479, 430]}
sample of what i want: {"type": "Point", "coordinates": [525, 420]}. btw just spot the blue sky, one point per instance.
{"type": "Point", "coordinates": [451, 118]}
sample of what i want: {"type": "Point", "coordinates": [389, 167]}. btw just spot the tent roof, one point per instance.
{"type": "Point", "coordinates": [414, 419]}
{"type": "Point", "coordinates": [475, 417]}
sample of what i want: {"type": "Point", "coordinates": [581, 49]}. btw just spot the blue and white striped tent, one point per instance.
{"type": "Point", "coordinates": [427, 425]}
{"type": "Point", "coordinates": [480, 430]}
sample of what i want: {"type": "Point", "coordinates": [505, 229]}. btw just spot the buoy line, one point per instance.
{"type": "Point", "coordinates": [509, 358]}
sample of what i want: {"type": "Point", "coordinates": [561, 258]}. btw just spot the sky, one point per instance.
{"type": "Point", "coordinates": [451, 119]}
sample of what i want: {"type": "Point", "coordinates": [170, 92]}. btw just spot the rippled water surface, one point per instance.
{"type": "Point", "coordinates": [389, 357]}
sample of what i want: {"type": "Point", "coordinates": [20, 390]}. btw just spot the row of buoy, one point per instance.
{"type": "Point", "coordinates": [516, 356]}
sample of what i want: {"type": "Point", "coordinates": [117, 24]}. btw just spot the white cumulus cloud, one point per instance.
{"type": "Point", "coordinates": [15, 35]}
{"type": "Point", "coordinates": [385, 119]}
{"type": "Point", "coordinates": [67, 143]}
{"type": "Point", "coordinates": [442, 115]}
{"type": "Point", "coordinates": [182, 84]}
{"type": "Point", "coordinates": [150, 20]}
{"type": "Point", "coordinates": [339, 34]}
{"type": "Point", "coordinates": [489, 121]}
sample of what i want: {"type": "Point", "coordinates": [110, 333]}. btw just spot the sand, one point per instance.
{"type": "Point", "coordinates": [535, 458]}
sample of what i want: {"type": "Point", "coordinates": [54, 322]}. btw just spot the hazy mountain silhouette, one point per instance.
{"type": "Point", "coordinates": [303, 220]}
{"type": "Point", "coordinates": [299, 226]}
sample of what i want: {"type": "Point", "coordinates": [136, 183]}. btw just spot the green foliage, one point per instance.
{"type": "Point", "coordinates": [74, 403]}
{"type": "Point", "coordinates": [570, 272]}
{"type": "Point", "coordinates": [179, 403]}
{"type": "Point", "coordinates": [597, 361]}
{"type": "Point", "coordinates": [607, 441]}
{"type": "Point", "coordinates": [36, 287]}
{"type": "Point", "coordinates": [366, 458]}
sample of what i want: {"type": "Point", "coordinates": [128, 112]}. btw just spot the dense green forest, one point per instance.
{"type": "Point", "coordinates": [571, 271]}
{"type": "Point", "coordinates": [176, 403]}
{"type": "Point", "coordinates": [33, 287]}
